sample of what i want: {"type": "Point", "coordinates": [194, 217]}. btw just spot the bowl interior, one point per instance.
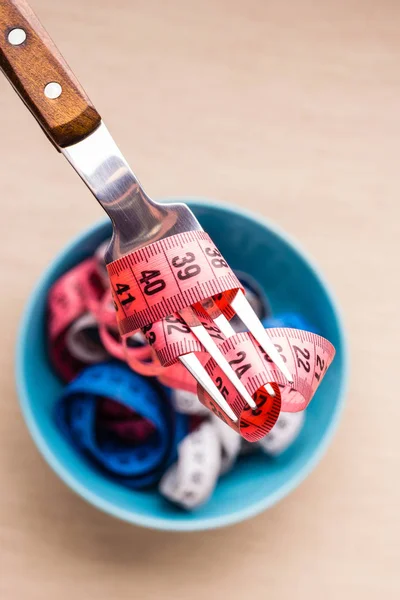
{"type": "Point", "coordinates": [292, 284]}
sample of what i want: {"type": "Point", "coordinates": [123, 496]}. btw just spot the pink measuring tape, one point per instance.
{"type": "Point", "coordinates": [168, 276]}
{"type": "Point", "coordinates": [159, 289]}
{"type": "Point", "coordinates": [75, 293]}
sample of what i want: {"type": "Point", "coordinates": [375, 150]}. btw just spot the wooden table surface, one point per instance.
{"type": "Point", "coordinates": [290, 108]}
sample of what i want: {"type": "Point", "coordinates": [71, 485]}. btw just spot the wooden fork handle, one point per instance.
{"type": "Point", "coordinates": [34, 63]}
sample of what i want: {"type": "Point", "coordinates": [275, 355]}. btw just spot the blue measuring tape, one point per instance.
{"type": "Point", "coordinates": [134, 465]}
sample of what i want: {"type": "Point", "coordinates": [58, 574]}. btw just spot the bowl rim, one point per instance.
{"type": "Point", "coordinates": [164, 523]}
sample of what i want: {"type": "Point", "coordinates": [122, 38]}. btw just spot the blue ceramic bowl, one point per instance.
{"type": "Point", "coordinates": [293, 285]}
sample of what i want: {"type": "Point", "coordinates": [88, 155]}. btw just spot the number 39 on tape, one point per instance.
{"type": "Point", "coordinates": [168, 276]}
{"type": "Point", "coordinates": [153, 286]}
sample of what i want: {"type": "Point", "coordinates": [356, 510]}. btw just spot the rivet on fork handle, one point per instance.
{"type": "Point", "coordinates": [31, 61]}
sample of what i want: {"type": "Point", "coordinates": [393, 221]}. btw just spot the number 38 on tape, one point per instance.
{"type": "Point", "coordinates": [153, 286]}
{"type": "Point", "coordinates": [168, 276]}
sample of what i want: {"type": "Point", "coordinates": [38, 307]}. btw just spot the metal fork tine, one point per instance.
{"type": "Point", "coordinates": [194, 366]}
{"type": "Point", "coordinates": [208, 343]}
{"type": "Point", "coordinates": [244, 311]}
{"type": "Point", "coordinates": [222, 322]}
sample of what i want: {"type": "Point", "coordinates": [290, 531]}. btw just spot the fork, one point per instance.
{"type": "Point", "coordinates": [44, 81]}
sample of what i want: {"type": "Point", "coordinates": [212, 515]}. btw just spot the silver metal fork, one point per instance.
{"type": "Point", "coordinates": [44, 81]}
{"type": "Point", "coordinates": [138, 221]}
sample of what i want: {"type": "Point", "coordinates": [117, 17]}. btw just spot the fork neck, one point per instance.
{"type": "Point", "coordinates": [99, 162]}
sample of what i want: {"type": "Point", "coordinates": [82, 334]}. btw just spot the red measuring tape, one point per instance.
{"type": "Point", "coordinates": [76, 292]}
{"type": "Point", "coordinates": [82, 289]}
{"type": "Point", "coordinates": [307, 356]}
{"type": "Point", "coordinates": [168, 276]}
{"type": "Point", "coordinates": [160, 289]}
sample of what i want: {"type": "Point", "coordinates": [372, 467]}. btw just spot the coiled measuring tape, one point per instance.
{"type": "Point", "coordinates": [192, 479]}
{"type": "Point", "coordinates": [168, 276]}
{"type": "Point", "coordinates": [114, 419]}
{"type": "Point", "coordinates": [159, 289]}
{"type": "Point", "coordinates": [137, 465]}
{"type": "Point", "coordinates": [143, 289]}
{"type": "Point", "coordinates": [82, 327]}
{"type": "Point", "coordinates": [71, 297]}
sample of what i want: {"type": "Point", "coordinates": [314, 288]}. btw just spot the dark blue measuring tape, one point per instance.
{"type": "Point", "coordinates": [134, 465]}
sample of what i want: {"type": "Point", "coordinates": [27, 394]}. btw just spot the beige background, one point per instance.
{"type": "Point", "coordinates": [290, 108]}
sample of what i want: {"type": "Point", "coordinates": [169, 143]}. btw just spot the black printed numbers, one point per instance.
{"type": "Point", "coordinates": [128, 300]}
{"type": "Point", "coordinates": [174, 322]}
{"type": "Point", "coordinates": [267, 358]}
{"type": "Point", "coordinates": [122, 289]}
{"type": "Point", "coordinates": [218, 261]}
{"type": "Point", "coordinates": [217, 412]}
{"type": "Point", "coordinates": [150, 335]}
{"type": "Point", "coordinates": [300, 355]}
{"type": "Point", "coordinates": [260, 400]}
{"type": "Point", "coordinates": [152, 283]}
{"type": "Point", "coordinates": [320, 365]}
{"type": "Point", "coordinates": [188, 272]}
{"type": "Point", "coordinates": [214, 331]}
{"type": "Point", "coordinates": [191, 270]}
{"type": "Point", "coordinates": [240, 370]}
{"type": "Point", "coordinates": [224, 390]}
{"type": "Point", "coordinates": [212, 252]}
{"type": "Point", "coordinates": [178, 262]}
